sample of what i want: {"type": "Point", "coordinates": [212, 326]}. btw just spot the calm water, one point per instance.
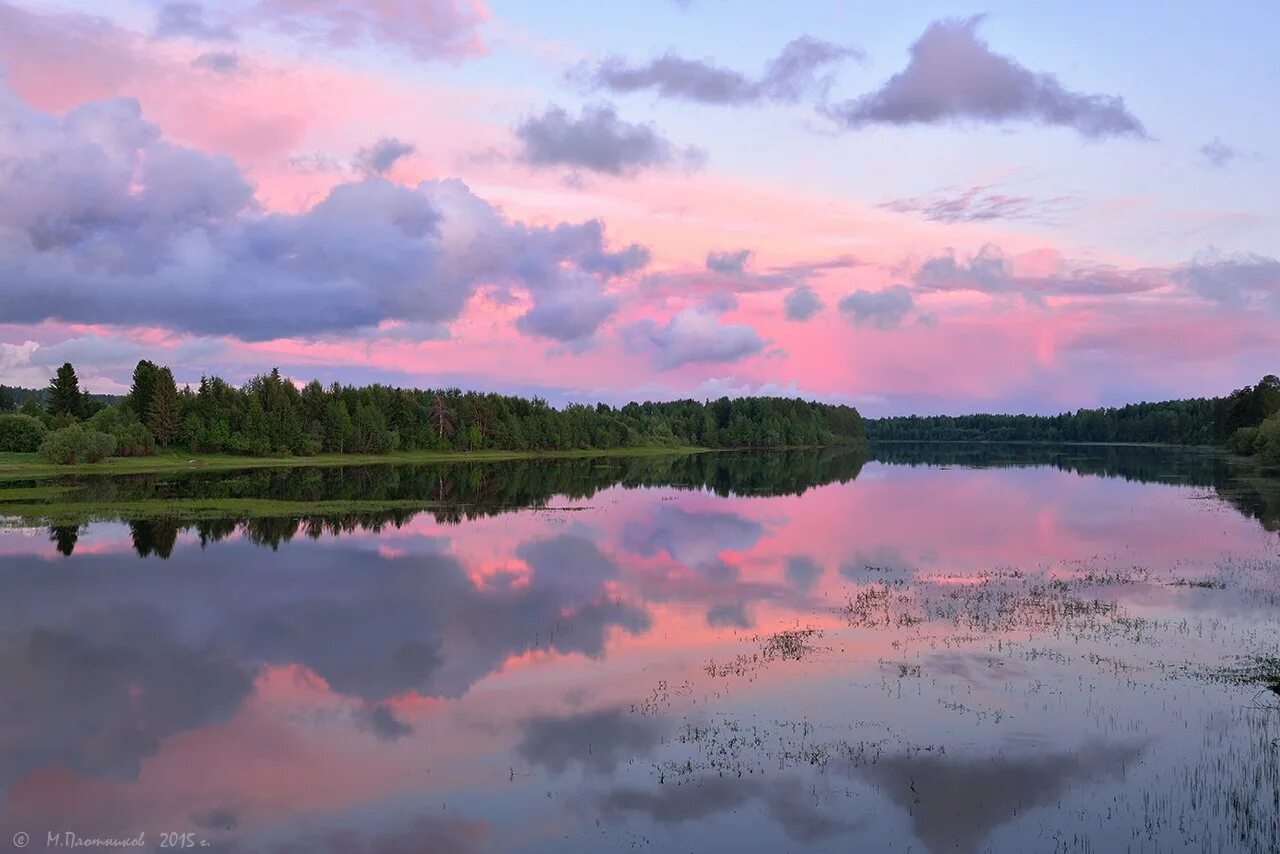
{"type": "Point", "coordinates": [946, 648]}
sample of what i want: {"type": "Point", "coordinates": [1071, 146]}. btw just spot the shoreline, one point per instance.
{"type": "Point", "coordinates": [14, 466]}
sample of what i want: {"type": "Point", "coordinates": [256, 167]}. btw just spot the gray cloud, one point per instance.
{"type": "Point", "coordinates": [377, 159]}
{"type": "Point", "coordinates": [99, 696]}
{"type": "Point", "coordinates": [315, 162]}
{"type": "Point", "coordinates": [732, 615]}
{"type": "Point", "coordinates": [977, 204]}
{"type": "Point", "coordinates": [599, 141]}
{"type": "Point", "coordinates": [694, 335]}
{"type": "Point", "coordinates": [1218, 153]}
{"type": "Point", "coordinates": [787, 78]}
{"type": "Point", "coordinates": [380, 720]}
{"type": "Point", "coordinates": [568, 315]}
{"type": "Point", "coordinates": [953, 76]}
{"type": "Point", "coordinates": [113, 655]}
{"type": "Point", "coordinates": [190, 20]}
{"type": "Point", "coordinates": [1234, 281]}
{"type": "Point", "coordinates": [424, 29]}
{"type": "Point", "coordinates": [882, 309]}
{"type": "Point", "coordinates": [802, 303]}
{"type": "Point", "coordinates": [218, 61]}
{"type": "Point", "coordinates": [727, 272]}
{"type": "Point", "coordinates": [599, 740]}
{"type": "Point", "coordinates": [729, 262]}
{"type": "Point", "coordinates": [803, 572]}
{"type": "Point", "coordinates": [419, 623]}
{"type": "Point", "coordinates": [954, 803]}
{"type": "Point", "coordinates": [1231, 280]}
{"type": "Point", "coordinates": [787, 802]}
{"type": "Point", "coordinates": [990, 271]}
{"type": "Point", "coordinates": [102, 221]}
{"type": "Point", "coordinates": [575, 564]}
{"type": "Point", "coordinates": [694, 539]}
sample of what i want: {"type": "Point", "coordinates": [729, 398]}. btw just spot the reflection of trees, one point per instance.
{"type": "Point", "coordinates": [486, 486]}
{"type": "Point", "coordinates": [453, 493]}
{"type": "Point", "coordinates": [214, 530]}
{"type": "Point", "coordinates": [1255, 498]}
{"type": "Point", "coordinates": [154, 536]}
{"type": "Point", "coordinates": [456, 492]}
{"type": "Point", "coordinates": [1236, 481]}
{"type": "Point", "coordinates": [1131, 462]}
{"type": "Point", "coordinates": [64, 537]}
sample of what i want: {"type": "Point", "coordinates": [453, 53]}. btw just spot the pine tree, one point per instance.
{"type": "Point", "coordinates": [64, 392]}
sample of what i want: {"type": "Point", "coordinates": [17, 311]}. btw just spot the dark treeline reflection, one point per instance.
{"type": "Point", "coordinates": [457, 492]}
{"type": "Point", "coordinates": [450, 493]}
{"type": "Point", "coordinates": [157, 537]}
{"type": "Point", "coordinates": [1130, 462]}
{"type": "Point", "coordinates": [1236, 482]}
{"type": "Point", "coordinates": [467, 489]}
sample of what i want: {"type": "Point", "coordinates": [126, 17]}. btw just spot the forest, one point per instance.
{"type": "Point", "coordinates": [270, 415]}
{"type": "Point", "coordinates": [1246, 421]}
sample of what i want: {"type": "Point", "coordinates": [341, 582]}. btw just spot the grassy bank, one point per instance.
{"type": "Point", "coordinates": [30, 467]}
{"type": "Point", "coordinates": [32, 491]}
{"type": "Point", "coordinates": [195, 510]}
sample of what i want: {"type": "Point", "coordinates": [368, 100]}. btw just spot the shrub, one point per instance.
{"type": "Point", "coordinates": [1242, 441]}
{"type": "Point", "coordinates": [1267, 443]}
{"type": "Point", "coordinates": [134, 440]}
{"type": "Point", "coordinates": [21, 433]}
{"type": "Point", "coordinates": [74, 444]}
{"type": "Point", "coordinates": [108, 419]}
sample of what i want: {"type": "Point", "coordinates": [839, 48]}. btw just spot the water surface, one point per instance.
{"type": "Point", "coordinates": [940, 648]}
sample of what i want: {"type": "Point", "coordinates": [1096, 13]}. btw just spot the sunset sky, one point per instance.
{"type": "Point", "coordinates": [929, 207]}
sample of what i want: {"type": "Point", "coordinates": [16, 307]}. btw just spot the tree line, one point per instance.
{"type": "Point", "coordinates": [1246, 421]}
{"type": "Point", "coordinates": [271, 415]}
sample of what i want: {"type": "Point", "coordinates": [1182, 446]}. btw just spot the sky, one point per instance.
{"type": "Point", "coordinates": [930, 208]}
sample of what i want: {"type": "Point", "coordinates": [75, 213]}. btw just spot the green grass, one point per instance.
{"type": "Point", "coordinates": [50, 503]}
{"type": "Point", "coordinates": [194, 510]}
{"type": "Point", "coordinates": [30, 467]}
{"type": "Point", "coordinates": [32, 493]}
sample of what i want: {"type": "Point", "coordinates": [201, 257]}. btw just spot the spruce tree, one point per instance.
{"type": "Point", "coordinates": [64, 392]}
{"type": "Point", "coordinates": [164, 416]}
{"type": "Point", "coordinates": [145, 376]}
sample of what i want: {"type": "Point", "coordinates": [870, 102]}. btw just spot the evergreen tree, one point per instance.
{"type": "Point", "coordinates": [164, 415]}
{"type": "Point", "coordinates": [145, 376]}
{"type": "Point", "coordinates": [64, 392]}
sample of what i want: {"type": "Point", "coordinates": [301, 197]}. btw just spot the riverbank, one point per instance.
{"type": "Point", "coordinates": [31, 467]}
